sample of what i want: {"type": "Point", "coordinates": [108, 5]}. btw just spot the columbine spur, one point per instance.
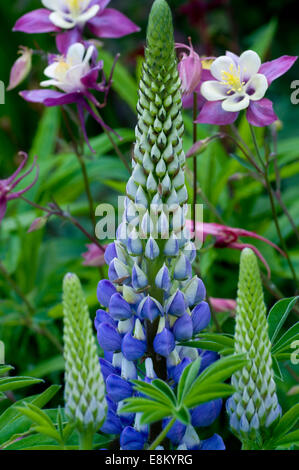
{"type": "Point", "coordinates": [85, 402]}
{"type": "Point", "coordinates": [151, 301]}
{"type": "Point", "coordinates": [254, 408]}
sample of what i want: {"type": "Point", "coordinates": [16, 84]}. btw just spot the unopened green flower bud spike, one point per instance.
{"type": "Point", "coordinates": [85, 403]}
{"type": "Point", "coordinates": [254, 408]}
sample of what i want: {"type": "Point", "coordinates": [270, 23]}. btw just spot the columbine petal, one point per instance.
{"type": "Point", "coordinates": [235, 103]}
{"type": "Point", "coordinates": [58, 20]}
{"type": "Point", "coordinates": [213, 90]}
{"type": "Point", "coordinates": [36, 21]}
{"type": "Point", "coordinates": [86, 16]}
{"type": "Point", "coordinates": [249, 63]}
{"type": "Point", "coordinates": [261, 113]}
{"type": "Point", "coordinates": [213, 113]}
{"type": "Point", "coordinates": [222, 64]}
{"type": "Point", "coordinates": [111, 23]}
{"type": "Point", "coordinates": [67, 38]}
{"type": "Point", "coordinates": [275, 68]}
{"type": "Point", "coordinates": [256, 87]}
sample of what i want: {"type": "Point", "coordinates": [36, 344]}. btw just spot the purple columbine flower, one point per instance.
{"type": "Point", "coordinates": [241, 83]}
{"type": "Point", "coordinates": [20, 68]}
{"type": "Point", "coordinates": [75, 74]}
{"type": "Point", "coordinates": [68, 18]}
{"type": "Point", "coordinates": [8, 184]}
{"type": "Point", "coordinates": [94, 255]}
{"type": "Point", "coordinates": [190, 69]}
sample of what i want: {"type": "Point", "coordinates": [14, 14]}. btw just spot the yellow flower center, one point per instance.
{"type": "Point", "coordinates": [232, 79]}
{"type": "Point", "coordinates": [61, 69]}
{"type": "Point", "coordinates": [74, 6]}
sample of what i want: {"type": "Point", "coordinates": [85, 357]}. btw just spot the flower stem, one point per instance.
{"type": "Point", "coordinates": [272, 203]}
{"type": "Point", "coordinates": [162, 435]}
{"type": "Point", "coordinates": [85, 440]}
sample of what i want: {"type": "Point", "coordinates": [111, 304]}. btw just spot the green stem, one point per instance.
{"type": "Point", "coordinates": [85, 440]}
{"type": "Point", "coordinates": [162, 435]}
{"type": "Point", "coordinates": [272, 203]}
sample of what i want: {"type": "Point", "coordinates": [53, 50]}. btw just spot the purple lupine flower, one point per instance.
{"type": "Point", "coordinates": [204, 415]}
{"type": "Point", "coordinates": [8, 184]}
{"type": "Point", "coordinates": [131, 439]}
{"type": "Point", "coordinates": [68, 19]}
{"type": "Point", "coordinates": [201, 316]}
{"type": "Point", "coordinates": [75, 74]}
{"type": "Point", "coordinates": [213, 443]}
{"type": "Point", "coordinates": [241, 83]}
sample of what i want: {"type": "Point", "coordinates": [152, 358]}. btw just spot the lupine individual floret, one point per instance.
{"type": "Point", "coordinates": [85, 401]}
{"type": "Point", "coordinates": [254, 406]}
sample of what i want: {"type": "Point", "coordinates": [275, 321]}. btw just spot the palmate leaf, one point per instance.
{"type": "Point", "coordinates": [287, 422]}
{"type": "Point", "coordinates": [4, 369]}
{"type": "Point", "coordinates": [223, 344]}
{"type": "Point", "coordinates": [287, 441]}
{"type": "Point", "coordinates": [187, 378]}
{"type": "Point", "coordinates": [165, 389]}
{"type": "Point", "coordinates": [221, 370]}
{"type": "Point", "coordinates": [203, 393]}
{"type": "Point", "coordinates": [285, 341]}
{"type": "Point", "coordinates": [154, 392]}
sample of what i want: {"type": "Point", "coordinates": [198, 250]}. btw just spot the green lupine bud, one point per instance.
{"type": "Point", "coordinates": [254, 406]}
{"type": "Point", "coordinates": [85, 402]}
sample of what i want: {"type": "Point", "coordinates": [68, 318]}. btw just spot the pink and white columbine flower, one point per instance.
{"type": "Point", "coordinates": [75, 74]}
{"type": "Point", "coordinates": [68, 18]}
{"type": "Point", "coordinates": [241, 83]}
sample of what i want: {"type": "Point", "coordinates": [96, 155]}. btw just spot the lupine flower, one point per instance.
{"type": "Point", "coordinates": [8, 184]}
{"type": "Point", "coordinates": [85, 401]}
{"type": "Point", "coordinates": [68, 18]}
{"type": "Point", "coordinates": [151, 296]}
{"type": "Point", "coordinates": [94, 255]}
{"type": "Point", "coordinates": [241, 83]}
{"type": "Point", "coordinates": [228, 237]}
{"type": "Point", "coordinates": [254, 408]}
{"type": "Point", "coordinates": [75, 74]}
{"type": "Point", "coordinates": [20, 68]}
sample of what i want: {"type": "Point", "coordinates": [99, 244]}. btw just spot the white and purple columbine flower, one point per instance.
{"type": "Point", "coordinates": [75, 74]}
{"type": "Point", "coordinates": [241, 83]}
{"type": "Point", "coordinates": [68, 18]}
{"type": "Point", "coordinates": [8, 184]}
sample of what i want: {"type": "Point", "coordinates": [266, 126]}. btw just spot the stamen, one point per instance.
{"type": "Point", "coordinates": [232, 80]}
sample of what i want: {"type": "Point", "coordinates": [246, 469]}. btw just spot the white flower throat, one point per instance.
{"type": "Point", "coordinates": [232, 79]}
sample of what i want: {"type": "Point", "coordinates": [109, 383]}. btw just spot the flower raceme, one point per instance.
{"type": "Point", "coordinates": [151, 302]}
{"type": "Point", "coordinates": [68, 18]}
{"type": "Point", "coordinates": [8, 184]}
{"type": "Point", "coordinates": [75, 74]}
{"type": "Point", "coordinates": [240, 83]}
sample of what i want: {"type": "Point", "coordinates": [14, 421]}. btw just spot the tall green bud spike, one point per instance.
{"type": "Point", "coordinates": [85, 402]}
{"type": "Point", "coordinates": [254, 406]}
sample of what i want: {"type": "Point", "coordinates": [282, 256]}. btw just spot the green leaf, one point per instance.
{"type": "Point", "coordinates": [48, 126]}
{"type": "Point", "coordinates": [35, 414]}
{"type": "Point", "coordinates": [12, 422]}
{"type": "Point", "coordinates": [278, 314]}
{"type": "Point", "coordinates": [288, 440]}
{"type": "Point", "coordinates": [276, 368]}
{"type": "Point", "coordinates": [202, 393]}
{"type": "Point", "coordinates": [150, 416]}
{"type": "Point", "coordinates": [287, 422]}
{"type": "Point", "coordinates": [263, 38]}
{"type": "Point", "coordinates": [165, 389]}
{"type": "Point", "coordinates": [13, 383]}
{"type": "Point", "coordinates": [285, 341]}
{"type": "Point", "coordinates": [152, 392]}
{"type": "Point", "coordinates": [5, 369]}
{"type": "Point", "coordinates": [242, 161]}
{"type": "Point", "coordinates": [187, 378]}
{"type": "Point", "coordinates": [182, 415]}
{"type": "Point", "coordinates": [222, 369]}
{"type": "Point", "coordinates": [47, 367]}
